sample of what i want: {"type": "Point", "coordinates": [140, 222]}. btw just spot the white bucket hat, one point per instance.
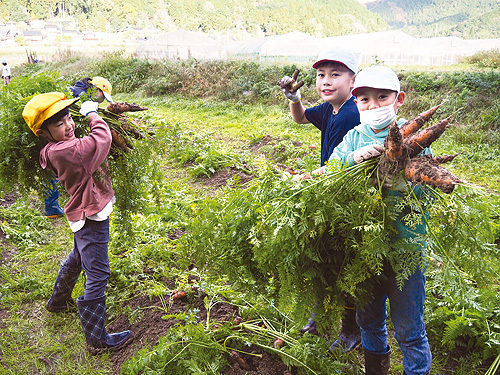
{"type": "Point", "coordinates": [377, 77]}
{"type": "Point", "coordinates": [339, 55]}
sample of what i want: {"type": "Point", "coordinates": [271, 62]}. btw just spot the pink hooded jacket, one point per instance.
{"type": "Point", "coordinates": [81, 167]}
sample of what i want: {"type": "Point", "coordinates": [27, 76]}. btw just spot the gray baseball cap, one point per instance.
{"type": "Point", "coordinates": [339, 55]}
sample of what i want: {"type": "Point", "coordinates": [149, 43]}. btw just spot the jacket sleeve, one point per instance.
{"type": "Point", "coordinates": [343, 152]}
{"type": "Point", "coordinates": [94, 147]}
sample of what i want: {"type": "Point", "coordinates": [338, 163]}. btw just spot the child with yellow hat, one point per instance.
{"type": "Point", "coordinates": [80, 164]}
{"type": "Point", "coordinates": [96, 89]}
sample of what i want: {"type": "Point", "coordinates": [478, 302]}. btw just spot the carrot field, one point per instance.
{"type": "Point", "coordinates": [217, 259]}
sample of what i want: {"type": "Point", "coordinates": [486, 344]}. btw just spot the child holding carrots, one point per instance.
{"type": "Point", "coordinates": [378, 97]}
{"type": "Point", "coordinates": [101, 86]}
{"type": "Point", "coordinates": [80, 164]}
{"type": "Point", "coordinates": [102, 89]}
{"type": "Point", "coordinates": [336, 69]}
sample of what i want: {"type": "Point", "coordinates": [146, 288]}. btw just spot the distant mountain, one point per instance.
{"type": "Point", "coordinates": [238, 18]}
{"type": "Point", "coordinates": [468, 19]}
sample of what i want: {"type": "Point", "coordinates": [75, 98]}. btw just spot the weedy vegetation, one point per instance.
{"type": "Point", "coordinates": [266, 249]}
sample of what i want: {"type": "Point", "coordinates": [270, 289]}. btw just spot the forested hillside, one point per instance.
{"type": "Point", "coordinates": [260, 17]}
{"type": "Point", "coordinates": [468, 19]}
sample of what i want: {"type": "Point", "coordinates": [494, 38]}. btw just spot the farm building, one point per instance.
{"type": "Point", "coordinates": [390, 47]}
{"type": "Point", "coordinates": [181, 45]}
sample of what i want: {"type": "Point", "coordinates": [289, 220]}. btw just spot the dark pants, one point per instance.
{"type": "Point", "coordinates": [90, 252]}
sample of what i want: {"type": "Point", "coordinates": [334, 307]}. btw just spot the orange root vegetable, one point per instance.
{"type": "Point", "coordinates": [119, 108]}
{"type": "Point", "coordinates": [414, 124]}
{"type": "Point", "coordinates": [436, 160]}
{"type": "Point", "coordinates": [235, 357]}
{"type": "Point", "coordinates": [417, 142]}
{"type": "Point", "coordinates": [278, 343]}
{"type": "Point", "coordinates": [421, 170]}
{"type": "Point", "coordinates": [293, 85]}
{"type": "Point", "coordinates": [296, 85]}
{"type": "Point", "coordinates": [393, 159]}
{"type": "Point", "coordinates": [392, 144]}
{"type": "Point", "coordinates": [402, 154]}
{"type": "Point", "coordinates": [178, 294]}
{"type": "Point", "coordinates": [119, 141]}
{"type": "Point", "coordinates": [125, 125]}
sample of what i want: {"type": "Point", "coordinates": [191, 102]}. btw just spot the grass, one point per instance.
{"type": "Point", "coordinates": [34, 341]}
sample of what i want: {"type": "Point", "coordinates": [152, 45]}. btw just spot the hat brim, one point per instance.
{"type": "Point", "coordinates": [108, 97]}
{"type": "Point", "coordinates": [59, 106]}
{"type": "Point", "coordinates": [55, 108]}
{"type": "Point", "coordinates": [317, 63]}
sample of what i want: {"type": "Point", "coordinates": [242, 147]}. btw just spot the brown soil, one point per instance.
{"type": "Point", "coordinates": [221, 177]}
{"type": "Point", "coordinates": [268, 140]}
{"type": "Point", "coordinates": [152, 326]}
{"type": "Point", "coordinates": [148, 330]}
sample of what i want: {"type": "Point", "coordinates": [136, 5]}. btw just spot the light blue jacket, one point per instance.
{"type": "Point", "coordinates": [363, 135]}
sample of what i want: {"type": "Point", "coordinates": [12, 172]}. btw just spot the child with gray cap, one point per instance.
{"type": "Point", "coordinates": [336, 69]}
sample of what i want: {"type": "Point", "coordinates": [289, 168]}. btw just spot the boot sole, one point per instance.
{"type": "Point", "coordinates": [97, 351]}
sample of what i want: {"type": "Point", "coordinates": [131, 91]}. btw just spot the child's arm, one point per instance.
{"type": "Point", "coordinates": [94, 147]}
{"type": "Point", "coordinates": [291, 89]}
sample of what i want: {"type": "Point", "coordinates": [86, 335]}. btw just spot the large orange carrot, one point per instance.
{"type": "Point", "coordinates": [436, 160]}
{"type": "Point", "coordinates": [420, 170]}
{"type": "Point", "coordinates": [414, 124]}
{"type": "Point", "coordinates": [119, 108]}
{"type": "Point", "coordinates": [119, 141]}
{"type": "Point", "coordinates": [418, 141]}
{"type": "Point", "coordinates": [393, 143]}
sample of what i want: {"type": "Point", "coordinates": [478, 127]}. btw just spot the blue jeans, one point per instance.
{"type": "Point", "coordinates": [407, 315]}
{"type": "Point", "coordinates": [90, 252]}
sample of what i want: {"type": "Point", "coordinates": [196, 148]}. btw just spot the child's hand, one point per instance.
{"type": "Point", "coordinates": [88, 107]}
{"type": "Point", "coordinates": [367, 153]}
{"type": "Point", "coordinates": [290, 87]}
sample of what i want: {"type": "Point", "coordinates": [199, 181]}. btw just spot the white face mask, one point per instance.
{"type": "Point", "coordinates": [379, 118]}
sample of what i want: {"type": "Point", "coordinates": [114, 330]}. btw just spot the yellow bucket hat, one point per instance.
{"type": "Point", "coordinates": [43, 106]}
{"type": "Point", "coordinates": [104, 85]}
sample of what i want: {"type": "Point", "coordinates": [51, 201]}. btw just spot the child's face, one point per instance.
{"type": "Point", "coordinates": [62, 130]}
{"type": "Point", "coordinates": [370, 98]}
{"type": "Point", "coordinates": [334, 83]}
{"type": "Point", "coordinates": [99, 96]}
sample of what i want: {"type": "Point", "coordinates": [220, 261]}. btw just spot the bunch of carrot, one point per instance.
{"type": "Point", "coordinates": [403, 146]}
{"type": "Point", "coordinates": [124, 129]}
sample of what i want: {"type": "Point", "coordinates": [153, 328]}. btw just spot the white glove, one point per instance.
{"type": "Point", "coordinates": [367, 153]}
{"type": "Point", "coordinates": [87, 107]}
{"type": "Point", "coordinates": [291, 177]}
{"type": "Point", "coordinates": [290, 86]}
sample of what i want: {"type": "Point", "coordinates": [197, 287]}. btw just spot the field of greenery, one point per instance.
{"type": "Point", "coordinates": [201, 208]}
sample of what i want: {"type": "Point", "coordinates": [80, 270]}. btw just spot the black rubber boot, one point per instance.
{"type": "Point", "coordinates": [61, 300]}
{"type": "Point", "coordinates": [92, 317]}
{"type": "Point", "coordinates": [310, 327]}
{"type": "Point", "coordinates": [377, 364]}
{"type": "Point", "coordinates": [350, 335]}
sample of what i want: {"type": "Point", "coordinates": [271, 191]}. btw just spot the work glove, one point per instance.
{"type": "Point", "coordinates": [287, 176]}
{"type": "Point", "coordinates": [290, 87]}
{"type": "Point", "coordinates": [367, 153]}
{"type": "Point", "coordinates": [87, 107]}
